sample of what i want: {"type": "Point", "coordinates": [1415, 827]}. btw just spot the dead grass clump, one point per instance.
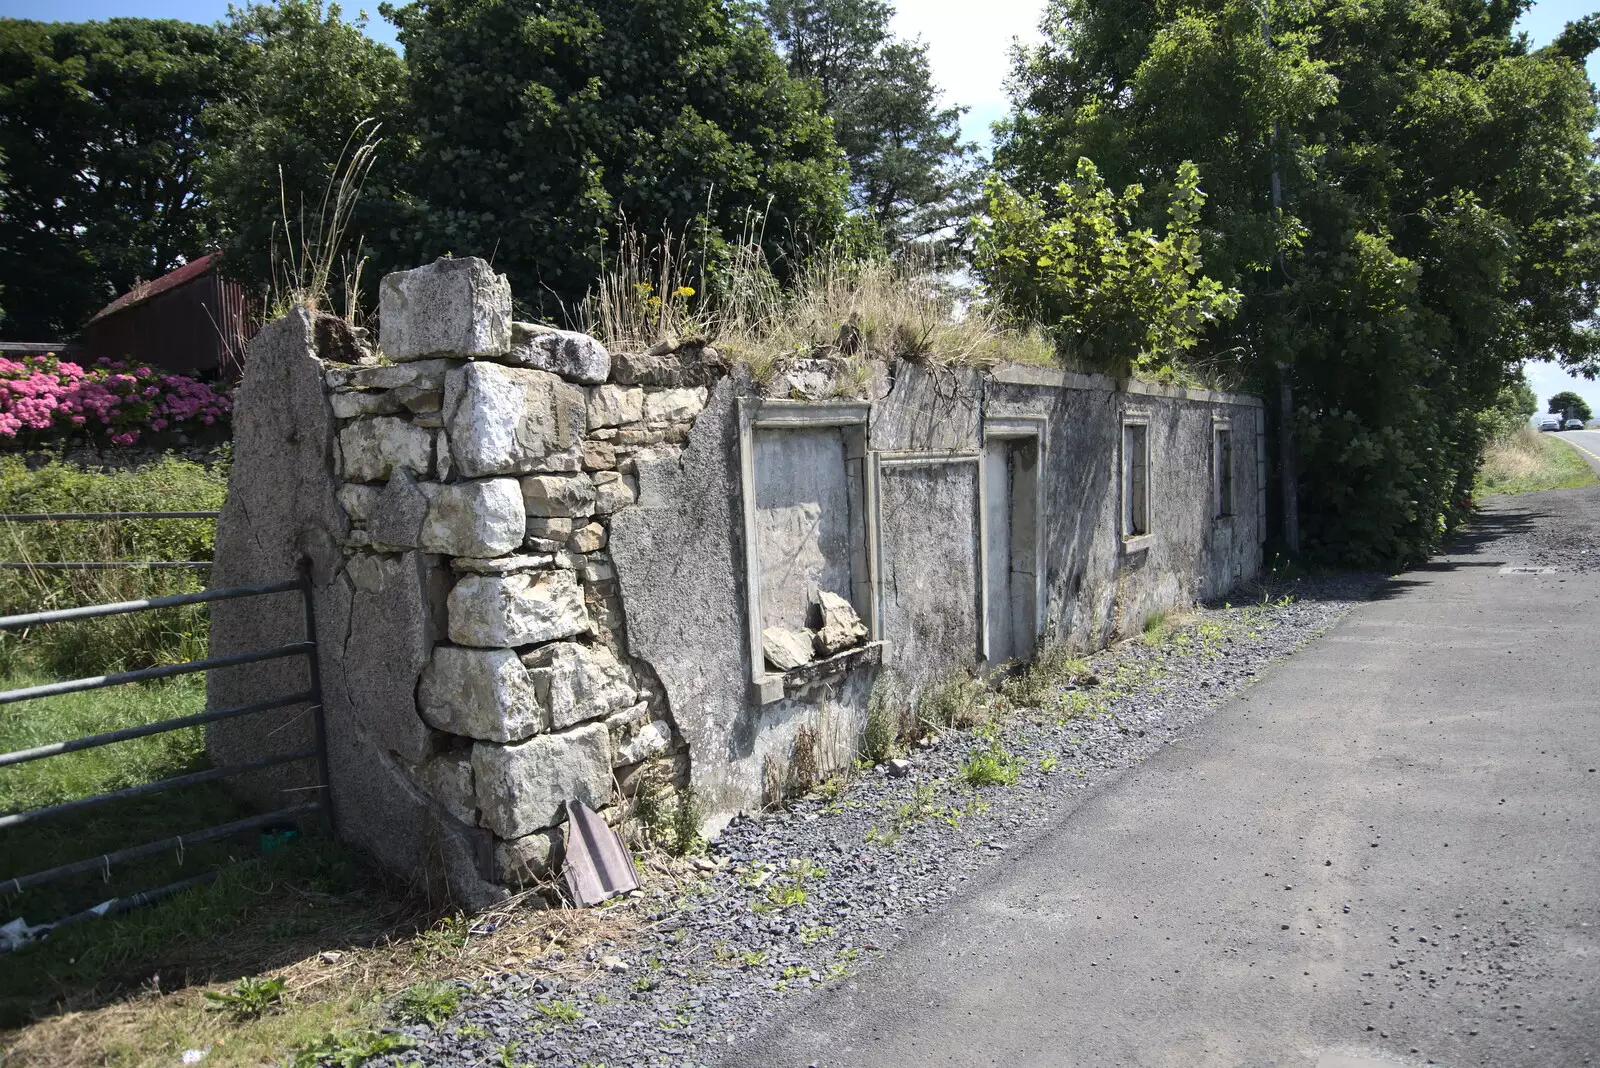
{"type": "Point", "coordinates": [857, 311]}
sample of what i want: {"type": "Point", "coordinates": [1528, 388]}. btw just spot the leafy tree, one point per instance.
{"type": "Point", "coordinates": [540, 123]}
{"type": "Point", "coordinates": [1569, 405]}
{"type": "Point", "coordinates": [1405, 195]}
{"type": "Point", "coordinates": [1514, 405]}
{"type": "Point", "coordinates": [910, 172]}
{"type": "Point", "coordinates": [101, 126]}
{"type": "Point", "coordinates": [307, 80]}
{"type": "Point", "coordinates": [1115, 297]}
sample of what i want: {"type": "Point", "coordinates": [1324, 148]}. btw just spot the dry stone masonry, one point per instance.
{"type": "Point", "coordinates": [547, 572]}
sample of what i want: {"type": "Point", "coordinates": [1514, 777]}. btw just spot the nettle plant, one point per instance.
{"type": "Point", "coordinates": [44, 396]}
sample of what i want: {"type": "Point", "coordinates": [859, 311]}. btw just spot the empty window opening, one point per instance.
{"type": "Point", "coordinates": [1135, 479]}
{"type": "Point", "coordinates": [1222, 470]}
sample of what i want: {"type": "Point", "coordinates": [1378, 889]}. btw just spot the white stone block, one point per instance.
{"type": "Point", "coordinates": [575, 357]}
{"type": "Point", "coordinates": [506, 611]}
{"type": "Point", "coordinates": [579, 682]}
{"type": "Point", "coordinates": [358, 501]}
{"type": "Point", "coordinates": [508, 420]}
{"type": "Point", "coordinates": [524, 788]}
{"type": "Point", "coordinates": [615, 405]}
{"type": "Point", "coordinates": [480, 693]}
{"type": "Point", "coordinates": [371, 449]}
{"type": "Point", "coordinates": [450, 307]}
{"type": "Point", "coordinates": [558, 496]}
{"type": "Point", "coordinates": [476, 519]}
{"type": "Point", "coordinates": [673, 405]}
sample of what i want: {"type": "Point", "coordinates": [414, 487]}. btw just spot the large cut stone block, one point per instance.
{"type": "Point", "coordinates": [373, 448]}
{"type": "Point", "coordinates": [614, 406]}
{"type": "Point", "coordinates": [522, 788]}
{"type": "Point", "coordinates": [507, 420]}
{"type": "Point", "coordinates": [475, 519]}
{"type": "Point", "coordinates": [450, 307]}
{"type": "Point", "coordinates": [526, 860]}
{"type": "Point", "coordinates": [481, 693]}
{"type": "Point", "coordinates": [575, 357]}
{"type": "Point", "coordinates": [421, 374]}
{"type": "Point", "coordinates": [558, 496]}
{"type": "Point", "coordinates": [505, 611]}
{"type": "Point", "coordinates": [674, 405]}
{"type": "Point", "coordinates": [578, 682]}
{"type": "Point", "coordinates": [447, 778]}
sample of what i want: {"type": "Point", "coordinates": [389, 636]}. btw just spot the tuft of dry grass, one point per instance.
{"type": "Point", "coordinates": [1529, 460]}
{"type": "Point", "coordinates": [856, 311]}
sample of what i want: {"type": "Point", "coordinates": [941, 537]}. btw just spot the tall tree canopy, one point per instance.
{"type": "Point", "coordinates": [102, 131]}
{"type": "Point", "coordinates": [540, 122]}
{"type": "Point", "coordinates": [1569, 405]}
{"type": "Point", "coordinates": [910, 171]}
{"type": "Point", "coordinates": [1405, 194]}
{"type": "Point", "coordinates": [305, 80]}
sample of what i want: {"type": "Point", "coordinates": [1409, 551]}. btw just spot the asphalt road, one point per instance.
{"type": "Point", "coordinates": [1387, 851]}
{"type": "Point", "coordinates": [1587, 442]}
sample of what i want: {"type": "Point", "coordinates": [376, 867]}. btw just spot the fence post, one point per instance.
{"type": "Point", "coordinates": [314, 665]}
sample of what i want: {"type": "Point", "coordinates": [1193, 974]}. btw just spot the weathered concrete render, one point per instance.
{"type": "Point", "coordinates": [544, 570]}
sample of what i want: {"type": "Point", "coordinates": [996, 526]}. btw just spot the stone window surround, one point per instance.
{"type": "Point", "coordinates": [1133, 543]}
{"type": "Point", "coordinates": [773, 414]}
{"type": "Point", "coordinates": [1013, 428]}
{"type": "Point", "coordinates": [1223, 511]}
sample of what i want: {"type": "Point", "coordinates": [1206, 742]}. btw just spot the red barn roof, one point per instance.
{"type": "Point", "coordinates": [145, 290]}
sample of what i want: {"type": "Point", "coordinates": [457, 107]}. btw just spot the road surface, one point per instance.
{"type": "Point", "coordinates": [1387, 851]}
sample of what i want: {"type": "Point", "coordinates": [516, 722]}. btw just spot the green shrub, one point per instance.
{"type": "Point", "coordinates": [1052, 668]}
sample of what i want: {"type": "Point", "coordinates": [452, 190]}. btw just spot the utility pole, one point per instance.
{"type": "Point", "coordinates": [1288, 471]}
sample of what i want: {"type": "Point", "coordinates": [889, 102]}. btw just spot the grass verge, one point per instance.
{"type": "Point", "coordinates": [1529, 461]}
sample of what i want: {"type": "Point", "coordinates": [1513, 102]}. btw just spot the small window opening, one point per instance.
{"type": "Point", "coordinates": [1135, 479]}
{"type": "Point", "coordinates": [1222, 461]}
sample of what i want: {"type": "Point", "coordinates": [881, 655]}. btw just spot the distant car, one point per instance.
{"type": "Point", "coordinates": [1574, 424]}
{"type": "Point", "coordinates": [1549, 422]}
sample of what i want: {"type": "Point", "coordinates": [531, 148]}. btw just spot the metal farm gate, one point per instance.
{"type": "Point", "coordinates": [311, 698]}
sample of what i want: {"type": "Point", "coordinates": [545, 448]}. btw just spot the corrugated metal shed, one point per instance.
{"type": "Point", "coordinates": [191, 320]}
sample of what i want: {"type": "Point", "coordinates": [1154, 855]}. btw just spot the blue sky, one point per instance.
{"type": "Point", "coordinates": [969, 44]}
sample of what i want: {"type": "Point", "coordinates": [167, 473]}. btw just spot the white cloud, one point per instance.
{"type": "Point", "coordinates": [969, 47]}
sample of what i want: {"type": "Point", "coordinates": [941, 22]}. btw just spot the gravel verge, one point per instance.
{"type": "Point", "coordinates": [795, 899]}
{"type": "Point", "coordinates": [1553, 528]}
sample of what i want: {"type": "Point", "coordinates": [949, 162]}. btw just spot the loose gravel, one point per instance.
{"type": "Point", "coordinates": [789, 901]}
{"type": "Point", "coordinates": [1555, 528]}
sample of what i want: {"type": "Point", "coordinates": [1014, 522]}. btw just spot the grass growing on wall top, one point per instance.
{"type": "Point", "coordinates": [1528, 461]}
{"type": "Point", "coordinates": [862, 311]}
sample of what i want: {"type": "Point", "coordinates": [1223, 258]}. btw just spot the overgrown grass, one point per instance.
{"type": "Point", "coordinates": [116, 643]}
{"type": "Point", "coordinates": [1529, 461]}
{"type": "Point", "coordinates": [857, 311]}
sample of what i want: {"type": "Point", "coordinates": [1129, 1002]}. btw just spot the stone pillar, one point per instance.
{"type": "Point", "coordinates": [455, 492]}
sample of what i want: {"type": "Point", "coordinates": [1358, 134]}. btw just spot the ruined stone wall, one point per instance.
{"type": "Point", "coordinates": [546, 571]}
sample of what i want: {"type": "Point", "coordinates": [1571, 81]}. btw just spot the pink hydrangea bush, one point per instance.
{"type": "Point", "coordinates": [44, 396]}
